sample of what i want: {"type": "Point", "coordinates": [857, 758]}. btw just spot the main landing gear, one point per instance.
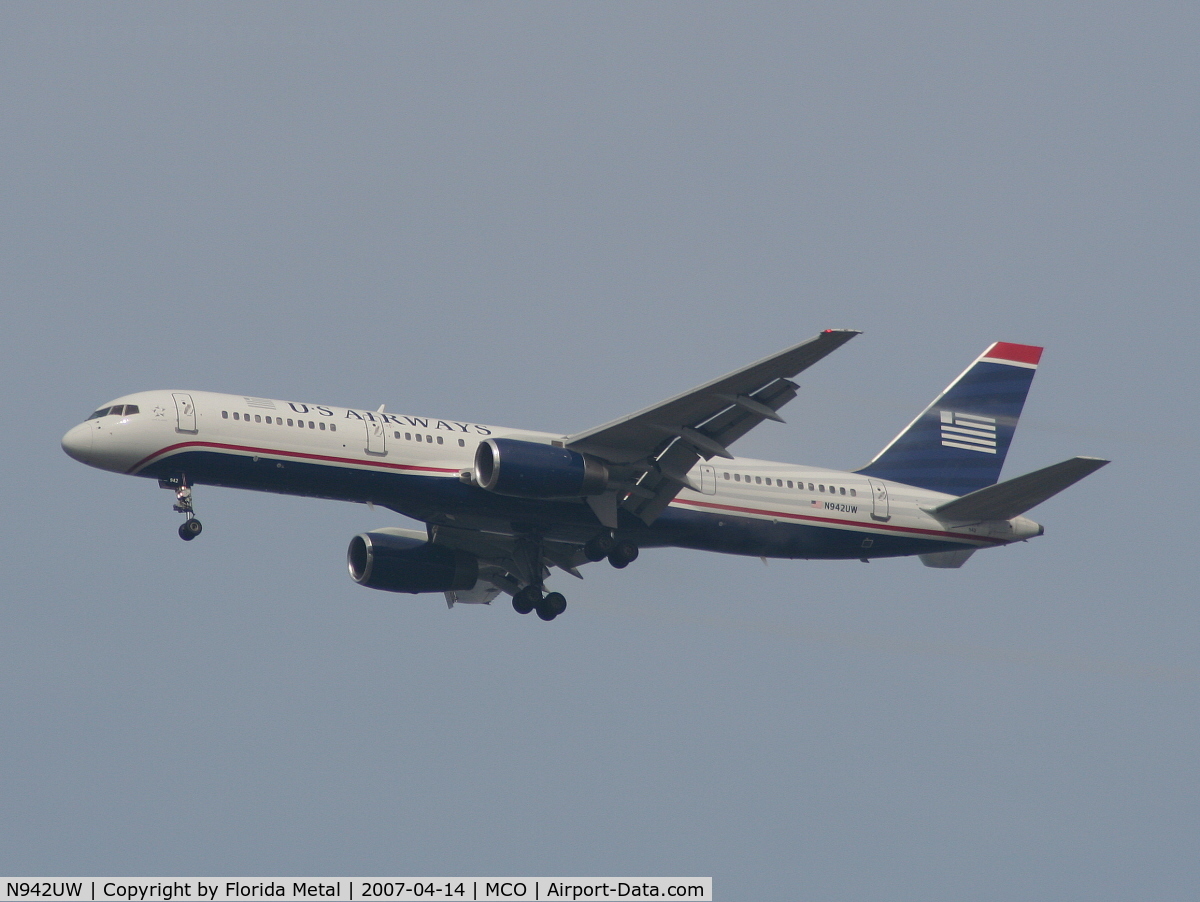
{"type": "Point", "coordinates": [547, 606]}
{"type": "Point", "coordinates": [619, 553]}
{"type": "Point", "coordinates": [190, 527]}
{"type": "Point", "coordinates": [533, 597]}
{"type": "Point", "coordinates": [623, 554]}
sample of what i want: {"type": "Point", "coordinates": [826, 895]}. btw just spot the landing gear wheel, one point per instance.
{"type": "Point", "coordinates": [597, 549]}
{"type": "Point", "coordinates": [623, 554]}
{"type": "Point", "coordinates": [551, 606]}
{"type": "Point", "coordinates": [526, 600]}
{"type": "Point", "coordinates": [190, 528]}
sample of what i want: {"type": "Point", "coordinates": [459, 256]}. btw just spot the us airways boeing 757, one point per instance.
{"type": "Point", "coordinates": [503, 507]}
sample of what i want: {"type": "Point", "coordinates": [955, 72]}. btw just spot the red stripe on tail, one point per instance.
{"type": "Point", "coordinates": [1004, 350]}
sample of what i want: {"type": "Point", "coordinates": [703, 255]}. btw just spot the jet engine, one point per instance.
{"type": "Point", "coordinates": [532, 470]}
{"type": "Point", "coordinates": [396, 563]}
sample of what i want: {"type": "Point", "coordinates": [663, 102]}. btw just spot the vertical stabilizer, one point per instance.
{"type": "Point", "coordinates": [958, 443]}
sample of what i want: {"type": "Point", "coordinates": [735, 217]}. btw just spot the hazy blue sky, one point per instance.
{"type": "Point", "coordinates": [548, 215]}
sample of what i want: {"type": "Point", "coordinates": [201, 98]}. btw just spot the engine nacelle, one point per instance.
{"type": "Point", "coordinates": [396, 563]}
{"type": "Point", "coordinates": [507, 466]}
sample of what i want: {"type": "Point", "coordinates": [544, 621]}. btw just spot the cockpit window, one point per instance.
{"type": "Point", "coordinates": [117, 410]}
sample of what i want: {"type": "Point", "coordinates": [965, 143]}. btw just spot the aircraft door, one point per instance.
{"type": "Point", "coordinates": [879, 500]}
{"type": "Point", "coordinates": [376, 437]}
{"type": "Point", "coordinates": [185, 413]}
{"type": "Point", "coordinates": [708, 479]}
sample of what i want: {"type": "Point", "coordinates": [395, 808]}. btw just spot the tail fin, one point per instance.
{"type": "Point", "coordinates": [958, 443]}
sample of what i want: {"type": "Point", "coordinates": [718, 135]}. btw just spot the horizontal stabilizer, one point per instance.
{"type": "Point", "coordinates": [947, 560]}
{"type": "Point", "coordinates": [1013, 497]}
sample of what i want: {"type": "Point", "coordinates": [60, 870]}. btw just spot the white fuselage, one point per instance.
{"type": "Point", "coordinates": [329, 451]}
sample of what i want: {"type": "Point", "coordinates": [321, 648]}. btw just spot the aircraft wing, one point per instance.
{"type": "Point", "coordinates": [660, 444]}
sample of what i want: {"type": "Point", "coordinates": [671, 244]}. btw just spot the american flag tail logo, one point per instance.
{"type": "Point", "coordinates": [969, 431]}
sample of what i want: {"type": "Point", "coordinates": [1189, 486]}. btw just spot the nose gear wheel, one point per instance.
{"type": "Point", "coordinates": [190, 527]}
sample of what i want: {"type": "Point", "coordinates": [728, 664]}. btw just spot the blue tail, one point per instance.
{"type": "Point", "coordinates": [958, 443]}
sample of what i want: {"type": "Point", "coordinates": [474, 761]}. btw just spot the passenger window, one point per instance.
{"type": "Point", "coordinates": [821, 487]}
{"type": "Point", "coordinates": [462, 444]}
{"type": "Point", "coordinates": [257, 418]}
{"type": "Point", "coordinates": [322, 425]}
{"type": "Point", "coordinates": [408, 436]}
{"type": "Point", "coordinates": [333, 427]}
{"type": "Point", "coordinates": [842, 490]}
{"type": "Point", "coordinates": [810, 486]}
{"type": "Point", "coordinates": [737, 477]}
{"type": "Point", "coordinates": [290, 423]}
{"type": "Point", "coordinates": [99, 413]}
{"type": "Point", "coordinates": [418, 436]}
{"type": "Point", "coordinates": [310, 425]}
{"type": "Point", "coordinates": [396, 433]}
{"type": "Point", "coordinates": [224, 414]}
{"type": "Point", "coordinates": [758, 480]}
{"type": "Point", "coordinates": [726, 474]}
{"type": "Point", "coordinates": [429, 438]}
{"type": "Point", "coordinates": [439, 440]}
{"type": "Point", "coordinates": [789, 483]}
{"type": "Point", "coordinates": [236, 415]}
{"type": "Point", "coordinates": [852, 494]}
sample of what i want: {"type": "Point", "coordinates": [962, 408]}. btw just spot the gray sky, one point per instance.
{"type": "Point", "coordinates": [546, 216]}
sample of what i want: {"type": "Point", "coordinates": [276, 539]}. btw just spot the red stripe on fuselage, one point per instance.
{"type": "Point", "coordinates": [249, 449]}
{"type": "Point", "coordinates": [278, 453]}
{"type": "Point", "coordinates": [912, 530]}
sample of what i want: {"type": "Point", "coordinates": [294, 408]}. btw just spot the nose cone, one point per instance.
{"type": "Point", "coordinates": [78, 443]}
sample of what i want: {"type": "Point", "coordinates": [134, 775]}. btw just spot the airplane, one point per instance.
{"type": "Point", "coordinates": [504, 507]}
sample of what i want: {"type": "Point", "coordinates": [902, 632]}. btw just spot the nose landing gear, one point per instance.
{"type": "Point", "coordinates": [190, 527]}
